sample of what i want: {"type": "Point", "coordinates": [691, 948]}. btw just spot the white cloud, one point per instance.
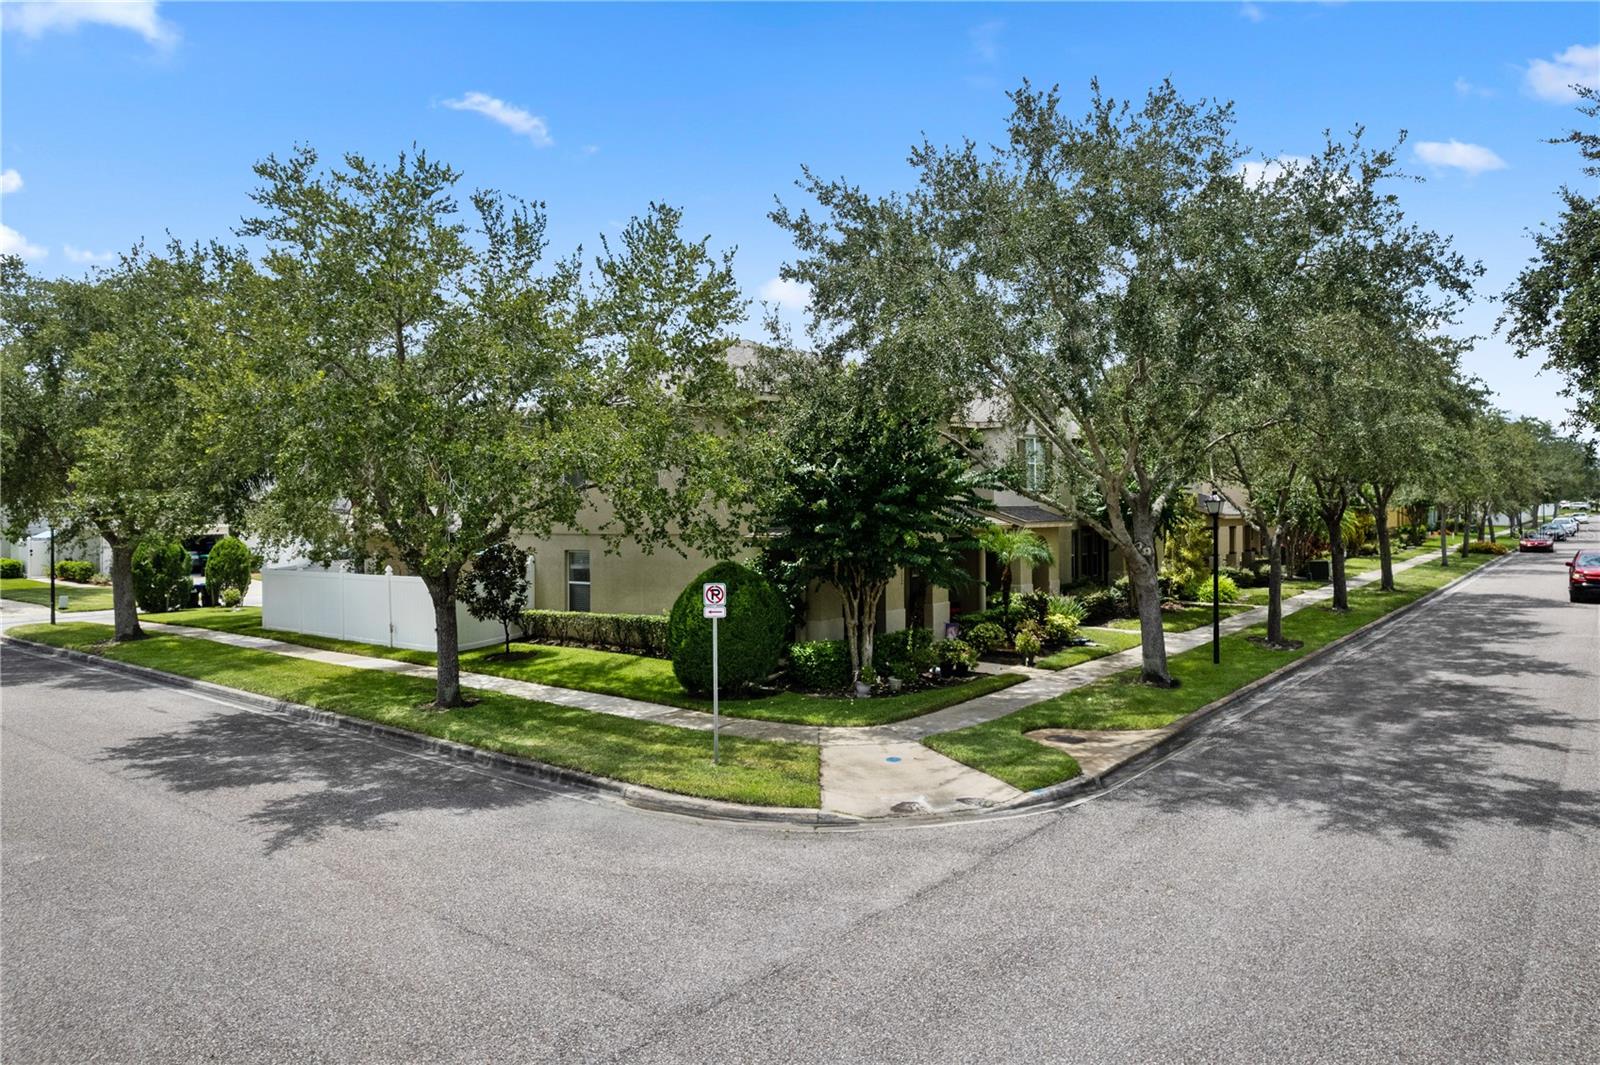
{"type": "Point", "coordinates": [1473, 158]}
{"type": "Point", "coordinates": [1553, 79]}
{"type": "Point", "coordinates": [86, 258]}
{"type": "Point", "coordinates": [510, 116]}
{"type": "Point", "coordinates": [1466, 88]}
{"type": "Point", "coordinates": [985, 38]}
{"type": "Point", "coordinates": [1252, 12]}
{"type": "Point", "coordinates": [787, 294]}
{"type": "Point", "coordinates": [36, 19]}
{"type": "Point", "coordinates": [1266, 171]}
{"type": "Point", "coordinates": [14, 243]}
{"type": "Point", "coordinates": [10, 181]}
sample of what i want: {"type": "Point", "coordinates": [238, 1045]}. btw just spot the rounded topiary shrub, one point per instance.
{"type": "Point", "coordinates": [228, 566]}
{"type": "Point", "coordinates": [11, 567]}
{"type": "Point", "coordinates": [161, 580]}
{"type": "Point", "coordinates": [749, 639]}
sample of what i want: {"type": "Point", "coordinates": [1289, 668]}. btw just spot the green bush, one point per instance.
{"type": "Point", "coordinates": [228, 566]}
{"type": "Point", "coordinates": [956, 656]}
{"type": "Point", "coordinates": [1227, 590]}
{"type": "Point", "coordinates": [751, 637]}
{"type": "Point", "coordinates": [984, 637]}
{"type": "Point", "coordinates": [11, 567]}
{"type": "Point", "coordinates": [1036, 604]}
{"type": "Point", "coordinates": [1029, 642]}
{"type": "Point", "coordinates": [1069, 607]}
{"type": "Point", "coordinates": [161, 580]}
{"type": "Point", "coordinates": [906, 654]}
{"type": "Point", "coordinates": [1242, 578]}
{"type": "Point", "coordinates": [820, 665]}
{"type": "Point", "coordinates": [644, 634]}
{"type": "Point", "coordinates": [1059, 630]}
{"type": "Point", "coordinates": [231, 597]}
{"type": "Point", "coordinates": [71, 569]}
{"type": "Point", "coordinates": [1488, 547]}
{"type": "Point", "coordinates": [1102, 604]}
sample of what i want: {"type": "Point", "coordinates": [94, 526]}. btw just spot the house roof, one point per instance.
{"type": "Point", "coordinates": [1029, 515]}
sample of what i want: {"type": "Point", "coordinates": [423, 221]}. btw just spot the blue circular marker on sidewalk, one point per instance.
{"type": "Point", "coordinates": [892, 758]}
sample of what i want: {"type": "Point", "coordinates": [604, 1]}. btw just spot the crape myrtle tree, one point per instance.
{"type": "Point", "coordinates": [102, 429]}
{"type": "Point", "coordinates": [1083, 282]}
{"type": "Point", "coordinates": [866, 483]}
{"type": "Point", "coordinates": [1553, 309]}
{"type": "Point", "coordinates": [429, 385]}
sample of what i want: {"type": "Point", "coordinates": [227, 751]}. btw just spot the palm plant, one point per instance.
{"type": "Point", "coordinates": [1012, 547]}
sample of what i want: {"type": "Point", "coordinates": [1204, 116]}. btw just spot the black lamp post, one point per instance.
{"type": "Point", "coordinates": [52, 574]}
{"type": "Point", "coordinates": [1211, 503]}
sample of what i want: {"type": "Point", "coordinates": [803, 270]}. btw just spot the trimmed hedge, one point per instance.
{"type": "Point", "coordinates": [11, 567]}
{"type": "Point", "coordinates": [820, 665]}
{"type": "Point", "coordinates": [644, 634]}
{"type": "Point", "coordinates": [228, 566]}
{"type": "Point", "coordinates": [750, 640]}
{"type": "Point", "coordinates": [906, 654]}
{"type": "Point", "coordinates": [161, 580]}
{"type": "Point", "coordinates": [71, 569]}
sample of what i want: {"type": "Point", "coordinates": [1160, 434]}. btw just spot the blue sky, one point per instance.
{"type": "Point", "coordinates": [125, 121]}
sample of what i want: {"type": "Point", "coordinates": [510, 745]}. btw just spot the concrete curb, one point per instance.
{"type": "Point", "coordinates": [635, 795]}
{"type": "Point", "coordinates": [1195, 724]}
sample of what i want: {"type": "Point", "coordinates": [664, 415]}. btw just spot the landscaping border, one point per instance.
{"type": "Point", "coordinates": [1197, 722]}
{"type": "Point", "coordinates": [636, 795]}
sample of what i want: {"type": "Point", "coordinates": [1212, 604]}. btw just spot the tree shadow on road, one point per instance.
{"type": "Point", "coordinates": [311, 779]}
{"type": "Point", "coordinates": [1423, 732]}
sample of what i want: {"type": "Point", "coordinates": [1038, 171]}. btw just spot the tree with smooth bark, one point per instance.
{"type": "Point", "coordinates": [429, 385]}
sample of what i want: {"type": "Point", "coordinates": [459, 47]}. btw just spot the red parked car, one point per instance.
{"type": "Point", "coordinates": [1585, 579]}
{"type": "Point", "coordinates": [1536, 541]}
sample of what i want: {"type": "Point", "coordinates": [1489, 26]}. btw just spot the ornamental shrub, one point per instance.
{"type": "Point", "coordinates": [1059, 630]}
{"type": "Point", "coordinates": [1029, 642]}
{"type": "Point", "coordinates": [11, 567]}
{"type": "Point", "coordinates": [984, 637]}
{"type": "Point", "coordinates": [956, 656]}
{"type": "Point", "coordinates": [644, 634]}
{"type": "Point", "coordinates": [1102, 604]}
{"type": "Point", "coordinates": [1036, 604]}
{"type": "Point", "coordinates": [71, 569]}
{"type": "Point", "coordinates": [1069, 607]}
{"type": "Point", "coordinates": [906, 654]}
{"type": "Point", "coordinates": [228, 566]}
{"type": "Point", "coordinates": [161, 580]}
{"type": "Point", "coordinates": [1227, 590]}
{"type": "Point", "coordinates": [819, 665]}
{"type": "Point", "coordinates": [231, 597]}
{"type": "Point", "coordinates": [1489, 547]}
{"type": "Point", "coordinates": [750, 638]}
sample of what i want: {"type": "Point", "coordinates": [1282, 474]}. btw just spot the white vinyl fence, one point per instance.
{"type": "Point", "coordinates": [371, 608]}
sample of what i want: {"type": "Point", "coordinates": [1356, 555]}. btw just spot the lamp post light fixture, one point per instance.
{"type": "Point", "coordinates": [1211, 503]}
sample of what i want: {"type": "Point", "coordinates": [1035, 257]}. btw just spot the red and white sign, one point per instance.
{"type": "Point", "coordinates": [714, 600]}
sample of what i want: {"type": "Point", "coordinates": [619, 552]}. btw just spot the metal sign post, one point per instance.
{"type": "Point", "coordinates": [714, 605]}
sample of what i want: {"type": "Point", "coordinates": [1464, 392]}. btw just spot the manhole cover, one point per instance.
{"type": "Point", "coordinates": [908, 807]}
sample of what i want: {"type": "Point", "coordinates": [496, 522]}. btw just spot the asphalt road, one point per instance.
{"type": "Point", "coordinates": [1392, 856]}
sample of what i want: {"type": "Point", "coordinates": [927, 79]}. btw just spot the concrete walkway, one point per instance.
{"type": "Point", "coordinates": [872, 771]}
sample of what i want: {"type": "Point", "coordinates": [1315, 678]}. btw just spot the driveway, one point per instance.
{"type": "Point", "coordinates": [1392, 855]}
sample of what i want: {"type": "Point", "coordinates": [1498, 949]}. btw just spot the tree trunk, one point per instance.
{"type": "Point", "coordinates": [1466, 531]}
{"type": "Point", "coordinates": [1444, 539]}
{"type": "Point", "coordinates": [1144, 578]}
{"type": "Point", "coordinates": [125, 609]}
{"type": "Point", "coordinates": [1274, 590]}
{"type": "Point", "coordinates": [869, 623]}
{"type": "Point", "coordinates": [1332, 514]}
{"type": "Point", "coordinates": [1380, 514]}
{"type": "Point", "coordinates": [447, 688]}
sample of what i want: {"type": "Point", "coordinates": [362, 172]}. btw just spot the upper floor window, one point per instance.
{"type": "Point", "coordinates": [1035, 464]}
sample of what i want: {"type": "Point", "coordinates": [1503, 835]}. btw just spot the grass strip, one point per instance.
{"type": "Point", "coordinates": [625, 675]}
{"type": "Point", "coordinates": [24, 590]}
{"type": "Point", "coordinates": [1001, 748]}
{"type": "Point", "coordinates": [1106, 642]}
{"type": "Point", "coordinates": [1182, 619]}
{"type": "Point", "coordinates": [757, 772]}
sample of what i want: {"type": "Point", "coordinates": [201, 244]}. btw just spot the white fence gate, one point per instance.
{"type": "Point", "coordinates": [371, 608]}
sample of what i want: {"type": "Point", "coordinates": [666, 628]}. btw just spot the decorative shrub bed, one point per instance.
{"type": "Point", "coordinates": [644, 634]}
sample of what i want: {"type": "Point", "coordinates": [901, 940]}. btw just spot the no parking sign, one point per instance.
{"type": "Point", "coordinates": [714, 600]}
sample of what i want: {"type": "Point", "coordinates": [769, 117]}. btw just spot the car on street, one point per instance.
{"type": "Point", "coordinates": [1537, 541]}
{"type": "Point", "coordinates": [1570, 524]}
{"type": "Point", "coordinates": [1554, 531]}
{"type": "Point", "coordinates": [1584, 581]}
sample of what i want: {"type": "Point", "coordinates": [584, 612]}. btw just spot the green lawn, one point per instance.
{"type": "Point", "coordinates": [1184, 619]}
{"type": "Point", "coordinates": [1291, 587]}
{"type": "Point", "coordinates": [25, 590]}
{"type": "Point", "coordinates": [629, 676]}
{"type": "Point", "coordinates": [1106, 642]}
{"type": "Point", "coordinates": [1001, 749]}
{"type": "Point", "coordinates": [761, 772]}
